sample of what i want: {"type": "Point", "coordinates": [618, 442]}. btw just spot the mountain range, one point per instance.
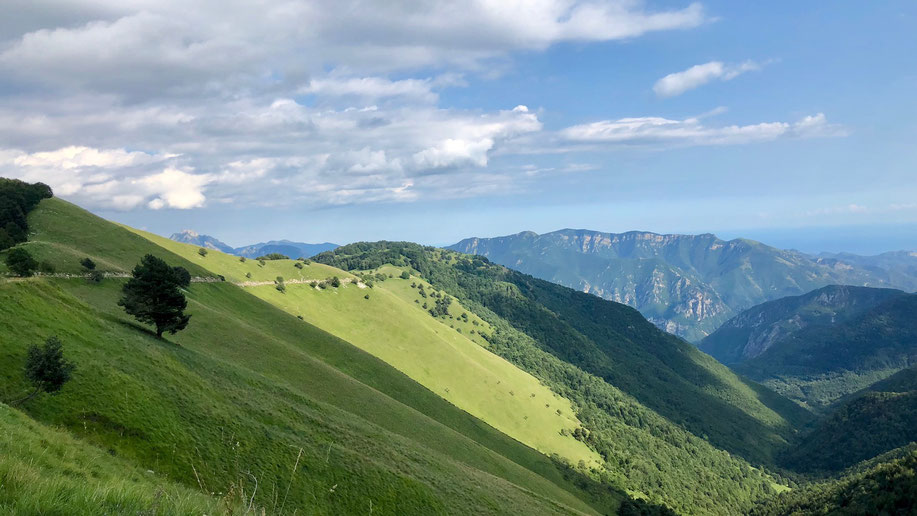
{"type": "Point", "coordinates": [285, 247]}
{"type": "Point", "coordinates": [685, 284]}
{"type": "Point", "coordinates": [396, 378]}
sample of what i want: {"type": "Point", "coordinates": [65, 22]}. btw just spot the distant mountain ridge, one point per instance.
{"type": "Point", "coordinates": [685, 284]}
{"type": "Point", "coordinates": [754, 331]}
{"type": "Point", "coordinates": [826, 345]}
{"type": "Point", "coordinates": [285, 247]}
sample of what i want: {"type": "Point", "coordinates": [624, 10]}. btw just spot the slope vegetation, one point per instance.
{"type": "Point", "coordinates": [755, 330]}
{"type": "Point", "coordinates": [613, 364]}
{"type": "Point", "coordinates": [819, 364]}
{"type": "Point", "coordinates": [250, 395]}
{"type": "Point", "coordinates": [685, 284]}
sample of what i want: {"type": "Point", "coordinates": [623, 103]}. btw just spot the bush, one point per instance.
{"type": "Point", "coordinates": [405, 275]}
{"type": "Point", "coordinates": [243, 259]}
{"type": "Point", "coordinates": [46, 368]}
{"type": "Point", "coordinates": [248, 275]}
{"type": "Point", "coordinates": [184, 277]}
{"type": "Point", "coordinates": [202, 251]}
{"type": "Point", "coordinates": [335, 282]}
{"type": "Point", "coordinates": [96, 276]}
{"type": "Point", "coordinates": [88, 264]}
{"type": "Point", "coordinates": [273, 256]}
{"type": "Point", "coordinates": [20, 262]}
{"type": "Point", "coordinates": [366, 296]}
{"type": "Point", "coordinates": [298, 265]}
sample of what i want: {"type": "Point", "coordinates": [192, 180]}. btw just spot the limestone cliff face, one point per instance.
{"type": "Point", "coordinates": [685, 284]}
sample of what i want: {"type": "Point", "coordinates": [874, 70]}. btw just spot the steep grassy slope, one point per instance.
{"type": "Point", "coordinates": [391, 326]}
{"type": "Point", "coordinates": [755, 330]}
{"type": "Point", "coordinates": [46, 471]}
{"type": "Point", "coordinates": [885, 488]}
{"type": "Point", "coordinates": [246, 387]}
{"type": "Point", "coordinates": [685, 284]}
{"type": "Point", "coordinates": [819, 364]}
{"type": "Point", "coordinates": [546, 329]}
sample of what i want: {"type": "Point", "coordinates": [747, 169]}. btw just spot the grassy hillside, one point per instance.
{"type": "Point", "coordinates": [818, 365]}
{"type": "Point", "coordinates": [555, 333]}
{"type": "Point", "coordinates": [47, 471]}
{"type": "Point", "coordinates": [392, 327]}
{"type": "Point", "coordinates": [248, 391]}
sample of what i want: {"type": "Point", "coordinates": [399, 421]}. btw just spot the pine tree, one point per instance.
{"type": "Point", "coordinates": [153, 296]}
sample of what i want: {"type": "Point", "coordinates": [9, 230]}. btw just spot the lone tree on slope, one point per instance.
{"type": "Point", "coordinates": [153, 296]}
{"type": "Point", "coordinates": [46, 368]}
{"type": "Point", "coordinates": [20, 262]}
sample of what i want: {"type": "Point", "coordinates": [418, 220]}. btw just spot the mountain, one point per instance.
{"type": "Point", "coordinates": [878, 419]}
{"type": "Point", "coordinates": [606, 339]}
{"type": "Point", "coordinates": [820, 363]}
{"type": "Point", "coordinates": [285, 247]}
{"type": "Point", "coordinates": [463, 352]}
{"type": "Point", "coordinates": [685, 284]}
{"type": "Point", "coordinates": [188, 236]}
{"type": "Point", "coordinates": [248, 395]}
{"type": "Point", "coordinates": [755, 330]}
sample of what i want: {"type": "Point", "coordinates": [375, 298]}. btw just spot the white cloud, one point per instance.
{"type": "Point", "coordinates": [679, 82]}
{"type": "Point", "coordinates": [663, 131]}
{"type": "Point", "coordinates": [176, 189]}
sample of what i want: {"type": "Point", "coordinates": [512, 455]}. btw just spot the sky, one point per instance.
{"type": "Point", "coordinates": [793, 123]}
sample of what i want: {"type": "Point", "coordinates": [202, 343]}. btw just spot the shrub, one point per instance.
{"type": "Point", "coordinates": [184, 277]}
{"type": "Point", "coordinates": [88, 264]}
{"type": "Point", "coordinates": [46, 368]}
{"type": "Point", "coordinates": [96, 276]}
{"type": "Point", "coordinates": [366, 296]}
{"type": "Point", "coordinates": [273, 256]}
{"type": "Point", "coordinates": [202, 251]}
{"type": "Point", "coordinates": [298, 265]}
{"type": "Point", "coordinates": [248, 275]}
{"type": "Point", "coordinates": [20, 262]}
{"type": "Point", "coordinates": [243, 259]}
{"type": "Point", "coordinates": [405, 275]}
{"type": "Point", "coordinates": [335, 282]}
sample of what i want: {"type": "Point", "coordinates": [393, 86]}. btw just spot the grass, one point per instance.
{"type": "Point", "coordinates": [392, 327]}
{"type": "Point", "coordinates": [247, 392]}
{"type": "Point", "coordinates": [47, 471]}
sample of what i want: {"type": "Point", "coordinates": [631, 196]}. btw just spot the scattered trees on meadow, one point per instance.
{"type": "Point", "coordinates": [273, 256]}
{"type": "Point", "coordinates": [153, 296]}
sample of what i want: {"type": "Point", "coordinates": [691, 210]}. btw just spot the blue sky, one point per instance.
{"type": "Point", "coordinates": [792, 123]}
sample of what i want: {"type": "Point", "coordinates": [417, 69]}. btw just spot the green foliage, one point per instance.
{"type": "Point", "coordinates": [46, 267]}
{"type": "Point", "coordinates": [20, 262]}
{"type": "Point", "coordinates": [279, 285]}
{"type": "Point", "coordinates": [183, 276]}
{"type": "Point", "coordinates": [561, 336]}
{"type": "Point", "coordinates": [152, 296]}
{"type": "Point", "coordinates": [243, 259]}
{"type": "Point", "coordinates": [88, 264]}
{"type": "Point", "coordinates": [298, 265]}
{"type": "Point", "coordinates": [882, 418]}
{"type": "Point", "coordinates": [819, 364]}
{"type": "Point", "coordinates": [335, 282]}
{"type": "Point", "coordinates": [273, 256]}
{"type": "Point", "coordinates": [96, 276]}
{"type": "Point", "coordinates": [202, 251]}
{"type": "Point", "coordinates": [46, 368]}
{"type": "Point", "coordinates": [405, 275]}
{"type": "Point", "coordinates": [17, 199]}
{"type": "Point", "coordinates": [887, 488]}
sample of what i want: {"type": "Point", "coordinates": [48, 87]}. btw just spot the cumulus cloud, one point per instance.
{"type": "Point", "coordinates": [679, 82]}
{"type": "Point", "coordinates": [691, 131]}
